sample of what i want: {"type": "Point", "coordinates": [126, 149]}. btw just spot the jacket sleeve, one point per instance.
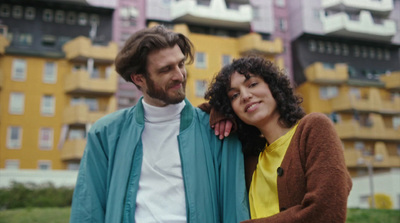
{"type": "Point", "coordinates": [89, 199]}
{"type": "Point", "coordinates": [233, 193]}
{"type": "Point", "coordinates": [216, 116]}
{"type": "Point", "coordinates": [327, 181]}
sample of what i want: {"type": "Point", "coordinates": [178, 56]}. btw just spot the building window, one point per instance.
{"type": "Point", "coordinates": [201, 60]}
{"type": "Point", "coordinates": [356, 51]}
{"type": "Point", "coordinates": [379, 54]}
{"type": "Point", "coordinates": [19, 70]}
{"type": "Point", "coordinates": [47, 107]}
{"type": "Point", "coordinates": [17, 103]}
{"type": "Point", "coordinates": [345, 50]}
{"type": "Point", "coordinates": [201, 87]}
{"type": "Point", "coordinates": [317, 14]}
{"type": "Point", "coordinates": [364, 52]}
{"type": "Point", "coordinates": [12, 164]}
{"type": "Point", "coordinates": [282, 24]}
{"type": "Point", "coordinates": [256, 13]}
{"type": "Point", "coordinates": [30, 13]}
{"type": "Point", "coordinates": [76, 134]}
{"type": "Point", "coordinates": [82, 19]}
{"type": "Point", "coordinates": [396, 122]}
{"type": "Point", "coordinates": [44, 165]}
{"type": "Point", "coordinates": [46, 138]}
{"type": "Point", "coordinates": [71, 18]}
{"type": "Point", "coordinates": [94, 19]}
{"type": "Point", "coordinates": [329, 47]}
{"type": "Point", "coordinates": [73, 166]}
{"type": "Point", "coordinates": [50, 73]}
{"type": "Point", "coordinates": [17, 12]}
{"type": "Point", "coordinates": [280, 3]}
{"type": "Point", "coordinates": [387, 55]}
{"type": "Point", "coordinates": [60, 16]}
{"type": "Point", "coordinates": [5, 10]}
{"type": "Point", "coordinates": [336, 48]}
{"type": "Point", "coordinates": [25, 39]}
{"type": "Point", "coordinates": [48, 15]}
{"type": "Point", "coordinates": [14, 137]}
{"type": "Point", "coordinates": [328, 92]}
{"type": "Point", "coordinates": [312, 45]}
{"type": "Point", "coordinates": [321, 47]}
{"type": "Point", "coordinates": [226, 59]}
{"type": "Point", "coordinates": [372, 53]}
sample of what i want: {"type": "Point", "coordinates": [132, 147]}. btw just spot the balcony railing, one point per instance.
{"type": "Point", "coordinates": [372, 103]}
{"type": "Point", "coordinates": [381, 6]}
{"type": "Point", "coordinates": [82, 49]}
{"type": "Point", "coordinates": [80, 82]}
{"type": "Point", "coordinates": [216, 13]}
{"type": "Point", "coordinates": [364, 27]}
{"type": "Point", "coordinates": [253, 43]}
{"type": "Point", "coordinates": [380, 158]}
{"type": "Point", "coordinates": [392, 81]}
{"type": "Point", "coordinates": [352, 129]}
{"type": "Point", "coordinates": [318, 73]}
{"type": "Point", "coordinates": [73, 149]}
{"type": "Point", "coordinates": [81, 114]}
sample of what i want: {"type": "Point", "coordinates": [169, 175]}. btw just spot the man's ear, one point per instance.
{"type": "Point", "coordinates": [138, 79]}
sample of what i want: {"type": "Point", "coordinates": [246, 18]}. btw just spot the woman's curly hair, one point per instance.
{"type": "Point", "coordinates": [288, 104]}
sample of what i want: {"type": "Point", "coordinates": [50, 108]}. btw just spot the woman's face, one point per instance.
{"type": "Point", "coordinates": [252, 100]}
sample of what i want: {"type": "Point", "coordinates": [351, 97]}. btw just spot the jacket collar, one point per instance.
{"type": "Point", "coordinates": [186, 114]}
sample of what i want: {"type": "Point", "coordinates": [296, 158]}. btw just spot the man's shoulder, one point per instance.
{"type": "Point", "coordinates": [203, 117]}
{"type": "Point", "coordinates": [115, 118]}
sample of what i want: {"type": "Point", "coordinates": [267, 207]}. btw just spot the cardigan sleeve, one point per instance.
{"type": "Point", "coordinates": [327, 182]}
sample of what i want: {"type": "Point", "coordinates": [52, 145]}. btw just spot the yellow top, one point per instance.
{"type": "Point", "coordinates": [263, 194]}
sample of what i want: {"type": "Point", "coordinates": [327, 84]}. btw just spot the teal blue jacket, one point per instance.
{"type": "Point", "coordinates": [108, 179]}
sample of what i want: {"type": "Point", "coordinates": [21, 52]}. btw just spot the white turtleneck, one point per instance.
{"type": "Point", "coordinates": [161, 194]}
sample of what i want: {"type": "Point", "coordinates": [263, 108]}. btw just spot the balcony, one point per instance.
{"type": "Point", "coordinates": [73, 149]}
{"type": "Point", "coordinates": [216, 13]}
{"type": "Point", "coordinates": [340, 24]}
{"type": "Point", "coordinates": [253, 43]}
{"type": "Point", "coordinates": [81, 114]}
{"type": "Point", "coordinates": [382, 7]}
{"type": "Point", "coordinates": [380, 158]}
{"type": "Point", "coordinates": [321, 74]}
{"type": "Point", "coordinates": [353, 130]}
{"type": "Point", "coordinates": [80, 82]}
{"type": "Point", "coordinates": [392, 81]}
{"type": "Point", "coordinates": [81, 49]}
{"type": "Point", "coordinates": [373, 102]}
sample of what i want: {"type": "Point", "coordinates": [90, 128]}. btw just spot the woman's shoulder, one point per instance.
{"type": "Point", "coordinates": [315, 120]}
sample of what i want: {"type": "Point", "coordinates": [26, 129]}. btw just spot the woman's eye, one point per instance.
{"type": "Point", "coordinates": [234, 96]}
{"type": "Point", "coordinates": [253, 84]}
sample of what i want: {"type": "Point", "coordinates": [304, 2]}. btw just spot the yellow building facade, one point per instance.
{"type": "Point", "coordinates": [213, 52]}
{"type": "Point", "coordinates": [45, 103]}
{"type": "Point", "coordinates": [366, 114]}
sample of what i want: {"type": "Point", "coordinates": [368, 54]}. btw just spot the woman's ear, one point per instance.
{"type": "Point", "coordinates": [138, 79]}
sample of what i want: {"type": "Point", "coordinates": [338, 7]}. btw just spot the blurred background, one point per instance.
{"type": "Point", "coordinates": [57, 77]}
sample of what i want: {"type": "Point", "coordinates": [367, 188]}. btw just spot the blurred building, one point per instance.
{"type": "Point", "coordinates": [220, 30]}
{"type": "Point", "coordinates": [346, 65]}
{"type": "Point", "coordinates": [56, 72]}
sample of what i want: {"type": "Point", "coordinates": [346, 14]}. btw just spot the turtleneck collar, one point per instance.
{"type": "Point", "coordinates": [156, 114]}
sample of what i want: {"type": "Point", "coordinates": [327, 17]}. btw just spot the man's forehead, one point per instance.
{"type": "Point", "coordinates": [165, 56]}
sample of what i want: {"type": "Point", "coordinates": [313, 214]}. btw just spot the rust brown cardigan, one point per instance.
{"type": "Point", "coordinates": [313, 181]}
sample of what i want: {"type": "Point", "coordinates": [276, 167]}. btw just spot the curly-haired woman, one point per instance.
{"type": "Point", "coordinates": [295, 166]}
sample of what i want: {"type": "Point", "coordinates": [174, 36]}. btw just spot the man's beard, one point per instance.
{"type": "Point", "coordinates": [160, 94]}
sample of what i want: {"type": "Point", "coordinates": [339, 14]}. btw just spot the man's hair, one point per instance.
{"type": "Point", "coordinates": [288, 104]}
{"type": "Point", "coordinates": [132, 59]}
